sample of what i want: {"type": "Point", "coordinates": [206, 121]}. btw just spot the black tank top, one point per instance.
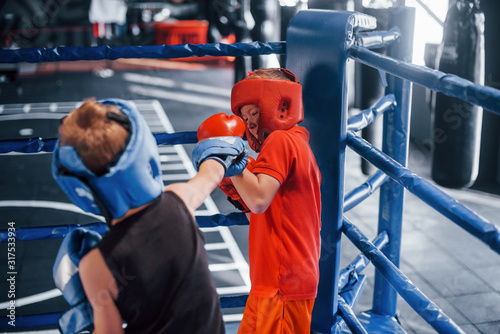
{"type": "Point", "coordinates": [159, 263]}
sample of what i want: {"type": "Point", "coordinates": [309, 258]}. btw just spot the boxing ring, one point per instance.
{"type": "Point", "coordinates": [319, 44]}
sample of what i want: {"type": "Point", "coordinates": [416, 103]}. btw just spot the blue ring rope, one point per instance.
{"type": "Point", "coordinates": [60, 231]}
{"type": "Point", "coordinates": [359, 194]}
{"type": "Point", "coordinates": [35, 145]}
{"type": "Point", "coordinates": [30, 321]}
{"type": "Point", "coordinates": [458, 213]}
{"type": "Point", "coordinates": [429, 311]}
{"type": "Point", "coordinates": [448, 84]}
{"type": "Point", "coordinates": [360, 262]}
{"type": "Point", "coordinates": [350, 318]}
{"type": "Point", "coordinates": [74, 53]}
{"type": "Point", "coordinates": [368, 116]}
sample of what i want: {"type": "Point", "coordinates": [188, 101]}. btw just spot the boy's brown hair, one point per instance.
{"type": "Point", "coordinates": [96, 137]}
{"type": "Point", "coordinates": [269, 73]}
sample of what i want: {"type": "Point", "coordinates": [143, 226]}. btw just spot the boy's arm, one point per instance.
{"type": "Point", "coordinates": [195, 191]}
{"type": "Point", "coordinates": [256, 190]}
{"type": "Point", "coordinates": [100, 288]}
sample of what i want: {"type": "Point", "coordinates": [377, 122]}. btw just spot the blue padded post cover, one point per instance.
{"type": "Point", "coordinates": [318, 43]}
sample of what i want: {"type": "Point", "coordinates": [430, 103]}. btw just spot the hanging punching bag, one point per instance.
{"type": "Point", "coordinates": [457, 124]}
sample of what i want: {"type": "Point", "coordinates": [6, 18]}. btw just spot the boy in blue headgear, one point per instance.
{"type": "Point", "coordinates": [150, 269]}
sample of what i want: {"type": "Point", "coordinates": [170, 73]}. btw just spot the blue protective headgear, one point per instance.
{"type": "Point", "coordinates": [133, 181]}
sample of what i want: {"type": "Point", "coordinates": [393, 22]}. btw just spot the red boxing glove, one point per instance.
{"type": "Point", "coordinates": [221, 124]}
{"type": "Point", "coordinates": [227, 186]}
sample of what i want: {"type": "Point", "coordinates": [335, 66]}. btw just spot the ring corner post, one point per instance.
{"type": "Point", "coordinates": [318, 45]}
{"type": "Point", "coordinates": [395, 144]}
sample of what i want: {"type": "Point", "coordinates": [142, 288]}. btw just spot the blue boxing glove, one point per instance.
{"type": "Point", "coordinates": [229, 151]}
{"type": "Point", "coordinates": [74, 247]}
{"type": "Point", "coordinates": [77, 319]}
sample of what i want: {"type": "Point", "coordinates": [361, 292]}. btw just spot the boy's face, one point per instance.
{"type": "Point", "coordinates": [251, 114]}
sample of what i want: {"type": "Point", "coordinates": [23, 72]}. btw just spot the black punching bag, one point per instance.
{"type": "Point", "coordinates": [457, 124]}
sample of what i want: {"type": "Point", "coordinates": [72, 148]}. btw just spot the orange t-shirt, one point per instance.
{"type": "Point", "coordinates": [284, 241]}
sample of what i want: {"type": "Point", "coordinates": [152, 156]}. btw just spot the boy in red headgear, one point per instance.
{"type": "Point", "coordinates": [283, 195]}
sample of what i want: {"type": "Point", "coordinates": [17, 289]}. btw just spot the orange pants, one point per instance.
{"type": "Point", "coordinates": [273, 316]}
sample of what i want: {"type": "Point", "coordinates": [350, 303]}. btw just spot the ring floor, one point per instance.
{"type": "Point", "coordinates": [455, 270]}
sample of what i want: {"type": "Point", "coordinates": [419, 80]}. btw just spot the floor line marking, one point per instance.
{"type": "Point", "coordinates": [47, 205]}
{"type": "Point", "coordinates": [232, 317]}
{"type": "Point", "coordinates": [39, 297]}
{"type": "Point", "coordinates": [169, 83]}
{"type": "Point", "coordinates": [169, 157]}
{"type": "Point", "coordinates": [172, 167]}
{"type": "Point", "coordinates": [230, 290]}
{"type": "Point", "coordinates": [181, 97]}
{"type": "Point", "coordinates": [14, 117]}
{"type": "Point", "coordinates": [166, 149]}
{"type": "Point", "coordinates": [215, 246]}
{"type": "Point", "coordinates": [223, 266]}
{"type": "Point", "coordinates": [175, 177]}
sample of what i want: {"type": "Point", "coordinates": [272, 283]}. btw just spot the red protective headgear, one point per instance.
{"type": "Point", "coordinates": [279, 101]}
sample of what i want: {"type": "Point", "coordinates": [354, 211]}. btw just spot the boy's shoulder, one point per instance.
{"type": "Point", "coordinates": [282, 137]}
{"type": "Point", "coordinates": [292, 132]}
